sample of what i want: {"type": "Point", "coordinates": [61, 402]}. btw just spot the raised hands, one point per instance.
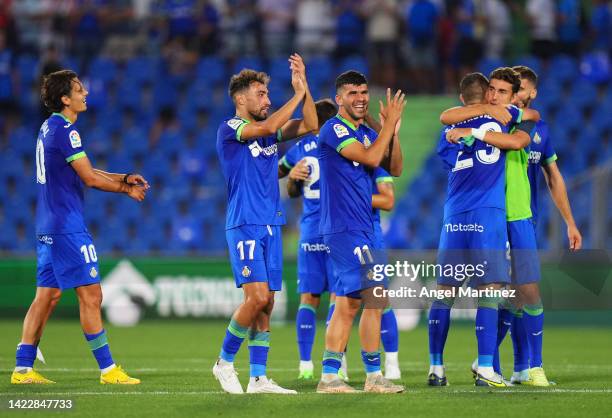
{"type": "Point", "coordinates": [298, 74]}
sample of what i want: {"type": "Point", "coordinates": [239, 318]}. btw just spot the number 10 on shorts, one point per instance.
{"type": "Point", "coordinates": [89, 252]}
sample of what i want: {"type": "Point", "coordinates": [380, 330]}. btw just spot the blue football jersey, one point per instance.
{"type": "Point", "coordinates": [250, 169]}
{"type": "Point", "coordinates": [308, 149]}
{"type": "Point", "coordinates": [475, 173]}
{"type": "Point", "coordinates": [59, 208]}
{"type": "Point", "coordinates": [346, 186]}
{"type": "Point", "coordinates": [380, 175]}
{"type": "Point", "coordinates": [541, 152]}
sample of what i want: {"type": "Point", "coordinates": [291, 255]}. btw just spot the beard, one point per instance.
{"type": "Point", "coordinates": [258, 117]}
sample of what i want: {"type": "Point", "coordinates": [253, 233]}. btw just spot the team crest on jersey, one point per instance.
{"type": "Point", "coordinates": [246, 272]}
{"type": "Point", "coordinates": [75, 139]}
{"type": "Point", "coordinates": [537, 139]}
{"type": "Point", "coordinates": [340, 130]}
{"type": "Point", "coordinates": [93, 273]}
{"type": "Point", "coordinates": [234, 123]}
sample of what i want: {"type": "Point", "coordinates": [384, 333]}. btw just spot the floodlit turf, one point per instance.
{"type": "Point", "coordinates": [174, 361]}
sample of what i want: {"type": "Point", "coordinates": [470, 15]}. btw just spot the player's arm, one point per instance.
{"type": "Point", "coordinates": [373, 123]}
{"type": "Point", "coordinates": [297, 175]}
{"type": "Point", "coordinates": [355, 151]}
{"type": "Point", "coordinates": [298, 127]}
{"type": "Point", "coordinates": [129, 178]}
{"type": "Point", "coordinates": [96, 180]}
{"type": "Point", "coordinates": [385, 199]}
{"type": "Point", "coordinates": [514, 141]}
{"type": "Point", "coordinates": [460, 113]}
{"type": "Point", "coordinates": [558, 192]}
{"type": "Point", "coordinates": [272, 124]}
{"type": "Point", "coordinates": [393, 161]}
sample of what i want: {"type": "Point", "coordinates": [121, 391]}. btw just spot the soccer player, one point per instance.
{"type": "Point", "coordinates": [66, 254]}
{"type": "Point", "coordinates": [248, 151]}
{"type": "Point", "coordinates": [315, 275]}
{"type": "Point", "coordinates": [474, 219]}
{"type": "Point", "coordinates": [348, 152]}
{"type": "Point", "coordinates": [521, 236]}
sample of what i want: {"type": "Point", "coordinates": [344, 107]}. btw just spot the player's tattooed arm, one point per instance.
{"type": "Point", "coordinates": [385, 199]}
{"type": "Point", "coordinates": [275, 121]}
{"type": "Point", "coordinates": [374, 155]}
{"type": "Point", "coordinates": [92, 178]}
{"type": "Point", "coordinates": [460, 113]}
{"type": "Point", "coordinates": [298, 127]}
{"type": "Point", "coordinates": [514, 141]}
{"type": "Point", "coordinates": [558, 192]}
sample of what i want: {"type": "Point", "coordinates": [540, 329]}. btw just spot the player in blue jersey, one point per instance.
{"type": "Point", "coordinates": [315, 275]}
{"type": "Point", "coordinates": [247, 149]}
{"type": "Point", "coordinates": [474, 227]}
{"type": "Point", "coordinates": [66, 254]}
{"type": "Point", "coordinates": [524, 316]}
{"type": "Point", "coordinates": [348, 152]}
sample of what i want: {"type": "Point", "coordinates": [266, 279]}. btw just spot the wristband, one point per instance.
{"type": "Point", "coordinates": [479, 133]}
{"type": "Point", "coordinates": [125, 178]}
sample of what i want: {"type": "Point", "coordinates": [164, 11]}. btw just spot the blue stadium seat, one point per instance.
{"type": "Point", "coordinates": [531, 62]}
{"type": "Point", "coordinates": [103, 69]}
{"type": "Point", "coordinates": [98, 93]}
{"type": "Point", "coordinates": [200, 97]}
{"type": "Point", "coordinates": [165, 94]}
{"type": "Point", "coordinates": [211, 69]}
{"type": "Point", "coordinates": [27, 67]}
{"type": "Point", "coordinates": [596, 67]}
{"type": "Point", "coordinates": [565, 68]}
{"type": "Point", "coordinates": [486, 65]}
{"type": "Point", "coordinates": [279, 71]}
{"type": "Point", "coordinates": [251, 63]}
{"type": "Point", "coordinates": [356, 62]}
{"type": "Point", "coordinates": [142, 70]}
{"type": "Point", "coordinates": [129, 94]}
{"type": "Point", "coordinates": [583, 94]}
{"type": "Point", "coordinates": [319, 70]}
{"type": "Point", "coordinates": [73, 64]}
{"type": "Point", "coordinates": [135, 142]}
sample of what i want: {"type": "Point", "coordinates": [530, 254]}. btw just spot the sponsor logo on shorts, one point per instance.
{"type": "Point", "coordinates": [46, 239]}
{"type": "Point", "coordinates": [309, 248]}
{"type": "Point", "coordinates": [93, 273]}
{"type": "Point", "coordinates": [246, 272]}
{"type": "Point", "coordinates": [475, 227]}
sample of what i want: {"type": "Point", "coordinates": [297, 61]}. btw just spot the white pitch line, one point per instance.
{"type": "Point", "coordinates": [408, 392]}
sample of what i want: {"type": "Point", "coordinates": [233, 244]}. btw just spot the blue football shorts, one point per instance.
{"type": "Point", "coordinates": [256, 254]}
{"type": "Point", "coordinates": [66, 261]}
{"type": "Point", "coordinates": [523, 252]}
{"type": "Point", "coordinates": [474, 246]}
{"type": "Point", "coordinates": [315, 272]}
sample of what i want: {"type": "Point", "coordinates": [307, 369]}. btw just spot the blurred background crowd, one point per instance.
{"type": "Point", "coordinates": [157, 72]}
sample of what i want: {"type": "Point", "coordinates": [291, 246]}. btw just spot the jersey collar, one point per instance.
{"type": "Point", "coordinates": [350, 125]}
{"type": "Point", "coordinates": [61, 116]}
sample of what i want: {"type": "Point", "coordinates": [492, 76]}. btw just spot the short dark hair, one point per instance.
{"type": "Point", "coordinates": [508, 75]}
{"type": "Point", "coordinates": [350, 77]}
{"type": "Point", "coordinates": [243, 80]}
{"type": "Point", "coordinates": [55, 86]}
{"type": "Point", "coordinates": [473, 87]}
{"type": "Point", "coordinates": [326, 109]}
{"type": "Point", "coordinates": [527, 73]}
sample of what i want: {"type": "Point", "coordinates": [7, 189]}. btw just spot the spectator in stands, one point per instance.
{"type": "Point", "coordinates": [122, 29]}
{"type": "Point", "coordinates": [239, 28]}
{"type": "Point", "coordinates": [421, 24]}
{"type": "Point", "coordinates": [7, 23]}
{"type": "Point", "coordinates": [314, 27]}
{"type": "Point", "coordinates": [541, 16]}
{"type": "Point", "coordinates": [277, 24]}
{"type": "Point", "coordinates": [7, 80]}
{"type": "Point", "coordinates": [350, 27]}
{"type": "Point", "coordinates": [601, 25]}
{"type": "Point", "coordinates": [469, 44]}
{"type": "Point", "coordinates": [382, 39]}
{"type": "Point", "coordinates": [498, 26]}
{"type": "Point", "coordinates": [49, 63]}
{"type": "Point", "coordinates": [87, 29]}
{"type": "Point", "coordinates": [570, 33]}
{"type": "Point", "coordinates": [208, 28]}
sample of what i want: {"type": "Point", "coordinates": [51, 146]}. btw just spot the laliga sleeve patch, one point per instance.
{"type": "Point", "coordinates": [341, 130]}
{"type": "Point", "coordinates": [75, 139]}
{"type": "Point", "coordinates": [234, 123]}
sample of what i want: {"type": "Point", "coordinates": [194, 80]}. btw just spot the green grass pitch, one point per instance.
{"type": "Point", "coordinates": [174, 360]}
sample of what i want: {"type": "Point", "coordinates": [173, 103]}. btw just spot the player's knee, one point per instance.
{"type": "Point", "coordinates": [258, 301]}
{"type": "Point", "coordinates": [310, 299]}
{"type": "Point", "coordinates": [91, 300]}
{"type": "Point", "coordinates": [49, 297]}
